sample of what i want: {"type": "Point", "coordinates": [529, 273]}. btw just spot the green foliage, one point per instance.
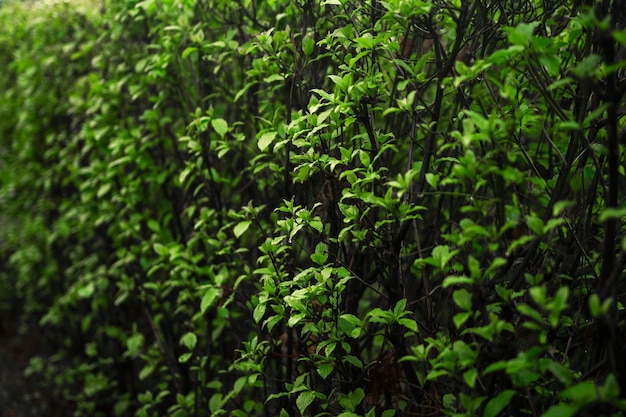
{"type": "Point", "coordinates": [318, 208]}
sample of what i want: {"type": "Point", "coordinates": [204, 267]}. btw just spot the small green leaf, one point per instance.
{"type": "Point", "coordinates": [308, 44]}
{"type": "Point", "coordinates": [494, 367]}
{"type": "Point", "coordinates": [352, 400]}
{"type": "Point", "coordinates": [304, 400]}
{"type": "Point", "coordinates": [409, 324]}
{"type": "Point", "coordinates": [240, 383]}
{"type": "Point", "coordinates": [273, 78]}
{"type": "Point", "coordinates": [259, 312]}
{"type": "Point", "coordinates": [154, 225]}
{"type": "Point", "coordinates": [189, 51]}
{"type": "Point", "coordinates": [295, 319]}
{"type": "Point", "coordinates": [463, 299]}
{"type": "Point", "coordinates": [161, 250]}
{"type": "Point", "coordinates": [561, 410]}
{"type": "Point", "coordinates": [610, 391]}
{"type": "Point", "coordinates": [134, 343]}
{"type": "Point", "coordinates": [461, 318]}
{"type": "Point", "coordinates": [522, 33]}
{"type": "Point", "coordinates": [183, 358]}
{"type": "Point", "coordinates": [499, 403]}
{"type": "Point", "coordinates": [146, 371]}
{"type": "Point", "coordinates": [530, 312]}
{"type": "Point", "coordinates": [366, 41]}
{"type": "Point", "coordinates": [583, 392]}
{"type": "Point", "coordinates": [265, 140]}
{"type": "Point", "coordinates": [563, 374]}
{"type": "Point", "coordinates": [470, 377]}
{"type": "Point", "coordinates": [538, 294]}
{"type": "Point", "coordinates": [365, 158]}
{"type": "Point", "coordinates": [535, 224]}
{"type": "Point", "coordinates": [353, 360]}
{"type": "Point", "coordinates": [86, 291]}
{"type": "Point", "coordinates": [325, 369]}
{"type": "Point", "coordinates": [612, 213]}
{"type": "Point", "coordinates": [189, 340]}
{"type": "Point", "coordinates": [588, 67]}
{"type": "Point", "coordinates": [552, 63]}
{"type": "Point", "coordinates": [208, 299]}
{"type": "Point", "coordinates": [241, 227]}
{"type": "Point", "coordinates": [220, 126]}
{"type": "Point", "coordinates": [456, 280]}
{"type": "Point", "coordinates": [399, 308]}
{"type": "Point", "coordinates": [317, 225]}
{"type": "Point", "coordinates": [348, 322]}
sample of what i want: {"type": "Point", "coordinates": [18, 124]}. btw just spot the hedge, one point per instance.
{"type": "Point", "coordinates": [292, 207]}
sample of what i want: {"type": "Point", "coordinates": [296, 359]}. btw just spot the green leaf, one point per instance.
{"type": "Point", "coordinates": [620, 36]}
{"type": "Point", "coordinates": [352, 400]}
{"type": "Point", "coordinates": [220, 126]}
{"type": "Point", "coordinates": [273, 78]}
{"type": "Point", "coordinates": [259, 312]}
{"type": "Point", "coordinates": [86, 291]}
{"type": "Point", "coordinates": [530, 312]}
{"type": "Point", "coordinates": [189, 340]}
{"type": "Point", "coordinates": [610, 391]}
{"type": "Point", "coordinates": [612, 213]}
{"type": "Point", "coordinates": [161, 250]}
{"type": "Point", "coordinates": [349, 322]}
{"type": "Point", "coordinates": [461, 318]}
{"type": "Point", "coordinates": [265, 140]}
{"type": "Point", "coordinates": [558, 304]}
{"type": "Point", "coordinates": [366, 41]}
{"type": "Point", "coordinates": [295, 318]}
{"type": "Point", "coordinates": [208, 299]}
{"type": "Point", "coordinates": [308, 44]}
{"type": "Point", "coordinates": [552, 63]}
{"type": "Point", "coordinates": [561, 410]}
{"type": "Point", "coordinates": [189, 51]}
{"type": "Point", "coordinates": [588, 67]}
{"type": "Point", "coordinates": [353, 360]}
{"type": "Point", "coordinates": [442, 255]}
{"type": "Point", "coordinates": [456, 280]}
{"type": "Point", "coordinates": [325, 369]}
{"type": "Point", "coordinates": [147, 370]}
{"type": "Point", "coordinates": [584, 392]}
{"type": "Point", "coordinates": [538, 294]}
{"type": "Point", "coordinates": [134, 343]}
{"type": "Point", "coordinates": [240, 383]}
{"type": "Point", "coordinates": [321, 254]}
{"type": "Point", "coordinates": [304, 400]}
{"type": "Point", "coordinates": [522, 33]}
{"type": "Point", "coordinates": [563, 374]}
{"type": "Point", "coordinates": [409, 324]}
{"type": "Point", "coordinates": [535, 224]}
{"type": "Point", "coordinates": [499, 403]}
{"type": "Point", "coordinates": [463, 299]}
{"type": "Point", "coordinates": [494, 367]}
{"type": "Point", "coordinates": [470, 377]}
{"type": "Point", "coordinates": [399, 308]}
{"type": "Point", "coordinates": [241, 227]}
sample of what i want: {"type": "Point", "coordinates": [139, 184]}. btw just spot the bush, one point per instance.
{"type": "Point", "coordinates": [318, 208]}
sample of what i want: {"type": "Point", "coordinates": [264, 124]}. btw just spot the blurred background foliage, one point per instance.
{"type": "Point", "coordinates": [301, 207]}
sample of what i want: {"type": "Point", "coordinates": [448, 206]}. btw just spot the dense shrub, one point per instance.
{"type": "Point", "coordinates": [318, 208]}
